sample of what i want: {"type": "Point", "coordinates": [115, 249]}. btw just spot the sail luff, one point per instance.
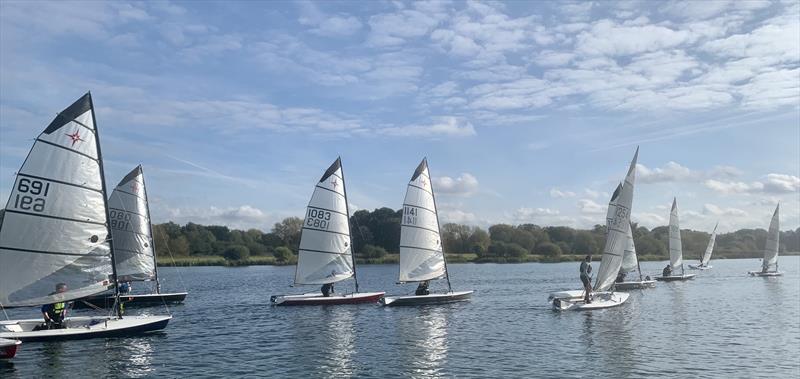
{"type": "Point", "coordinates": [616, 238]}
{"type": "Point", "coordinates": [60, 186]}
{"type": "Point", "coordinates": [710, 247]}
{"type": "Point", "coordinates": [773, 242]}
{"type": "Point", "coordinates": [675, 244]}
{"type": "Point", "coordinates": [439, 228]}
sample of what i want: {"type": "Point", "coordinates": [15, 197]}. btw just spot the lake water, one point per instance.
{"type": "Point", "coordinates": [723, 323]}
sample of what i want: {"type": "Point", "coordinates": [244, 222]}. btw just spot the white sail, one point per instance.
{"type": "Point", "coordinates": [55, 228]}
{"type": "Point", "coordinates": [129, 218]}
{"type": "Point", "coordinates": [325, 253]}
{"type": "Point", "coordinates": [710, 247]}
{"type": "Point", "coordinates": [617, 236]}
{"type": "Point", "coordinates": [629, 260]}
{"type": "Point", "coordinates": [773, 242]}
{"type": "Point", "coordinates": [421, 255]}
{"type": "Point", "coordinates": [612, 207]}
{"type": "Point", "coordinates": [675, 249]}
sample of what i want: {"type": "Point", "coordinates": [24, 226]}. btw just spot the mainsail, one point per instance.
{"type": "Point", "coordinates": [129, 218]}
{"type": "Point", "coordinates": [710, 247]}
{"type": "Point", "coordinates": [55, 228]}
{"type": "Point", "coordinates": [325, 252]}
{"type": "Point", "coordinates": [421, 255]}
{"type": "Point", "coordinates": [617, 236]}
{"type": "Point", "coordinates": [675, 249]}
{"type": "Point", "coordinates": [773, 239]}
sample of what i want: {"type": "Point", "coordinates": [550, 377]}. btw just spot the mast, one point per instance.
{"type": "Point", "coordinates": [439, 228]}
{"type": "Point", "coordinates": [150, 228]}
{"type": "Point", "coordinates": [349, 230]}
{"type": "Point", "coordinates": [638, 265]}
{"type": "Point", "coordinates": [117, 304]}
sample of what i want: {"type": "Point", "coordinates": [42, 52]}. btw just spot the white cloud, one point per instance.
{"type": "Point", "coordinates": [711, 209]}
{"type": "Point", "coordinates": [671, 172]}
{"type": "Point", "coordinates": [558, 194]}
{"type": "Point", "coordinates": [327, 25]}
{"type": "Point", "coordinates": [464, 184]}
{"type": "Point", "coordinates": [781, 183]}
{"type": "Point", "coordinates": [773, 183]}
{"type": "Point", "coordinates": [242, 217]}
{"type": "Point", "coordinates": [458, 216]}
{"type": "Point", "coordinates": [447, 127]}
{"type": "Point", "coordinates": [590, 207]}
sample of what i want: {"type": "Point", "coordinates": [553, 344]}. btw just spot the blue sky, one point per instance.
{"type": "Point", "coordinates": [528, 112]}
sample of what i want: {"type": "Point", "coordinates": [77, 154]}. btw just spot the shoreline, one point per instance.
{"type": "Point", "coordinates": [200, 261]}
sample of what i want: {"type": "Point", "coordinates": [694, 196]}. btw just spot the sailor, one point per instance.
{"type": "Point", "coordinates": [327, 289]}
{"type": "Point", "coordinates": [667, 270]}
{"type": "Point", "coordinates": [586, 269]}
{"type": "Point", "coordinates": [125, 287]}
{"type": "Point", "coordinates": [621, 276]}
{"type": "Point", "coordinates": [55, 313]}
{"type": "Point", "coordinates": [422, 288]}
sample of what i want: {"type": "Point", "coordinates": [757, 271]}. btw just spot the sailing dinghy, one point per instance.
{"type": "Point", "coordinates": [675, 247]}
{"type": "Point", "coordinates": [421, 253]}
{"type": "Point", "coordinates": [326, 255]}
{"type": "Point", "coordinates": [8, 348]}
{"type": "Point", "coordinates": [630, 264]}
{"type": "Point", "coordinates": [707, 255]}
{"type": "Point", "coordinates": [771, 248]}
{"type": "Point", "coordinates": [134, 247]}
{"type": "Point", "coordinates": [611, 262]}
{"type": "Point", "coordinates": [56, 231]}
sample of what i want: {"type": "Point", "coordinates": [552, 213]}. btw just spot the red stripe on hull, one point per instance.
{"type": "Point", "coordinates": [8, 351]}
{"type": "Point", "coordinates": [334, 301]}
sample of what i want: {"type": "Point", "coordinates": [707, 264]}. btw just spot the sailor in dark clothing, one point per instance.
{"type": "Point", "coordinates": [54, 314]}
{"type": "Point", "coordinates": [327, 289]}
{"type": "Point", "coordinates": [586, 269]}
{"type": "Point", "coordinates": [667, 271]}
{"type": "Point", "coordinates": [621, 276]}
{"type": "Point", "coordinates": [422, 289]}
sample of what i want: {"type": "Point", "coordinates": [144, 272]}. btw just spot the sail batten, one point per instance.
{"type": "Point", "coordinates": [618, 228]}
{"type": "Point", "coordinates": [421, 253]}
{"type": "Point", "coordinates": [325, 254]}
{"type": "Point", "coordinates": [55, 229]}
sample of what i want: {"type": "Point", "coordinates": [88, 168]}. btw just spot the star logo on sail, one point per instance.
{"type": "Point", "coordinates": [424, 182]}
{"type": "Point", "coordinates": [75, 137]}
{"type": "Point", "coordinates": [135, 187]}
{"type": "Point", "coordinates": [335, 183]}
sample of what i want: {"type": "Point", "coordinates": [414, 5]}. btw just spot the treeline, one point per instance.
{"type": "Point", "coordinates": [375, 234]}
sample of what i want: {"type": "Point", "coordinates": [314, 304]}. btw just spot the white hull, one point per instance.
{"type": "Point", "coordinates": [83, 327]}
{"type": "Point", "coordinates": [434, 298]}
{"type": "Point", "coordinates": [673, 278]}
{"type": "Point", "coordinates": [765, 274]}
{"type": "Point", "coordinates": [698, 267]}
{"type": "Point", "coordinates": [635, 285]}
{"type": "Point", "coordinates": [566, 295]}
{"type": "Point", "coordinates": [316, 298]}
{"type": "Point", "coordinates": [600, 300]}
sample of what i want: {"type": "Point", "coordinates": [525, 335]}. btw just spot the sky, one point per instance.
{"type": "Point", "coordinates": [528, 112]}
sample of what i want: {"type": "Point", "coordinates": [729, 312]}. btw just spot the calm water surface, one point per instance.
{"type": "Point", "coordinates": [723, 323]}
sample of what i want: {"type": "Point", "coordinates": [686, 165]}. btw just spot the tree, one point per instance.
{"type": "Point", "coordinates": [549, 250]}
{"type": "Point", "coordinates": [372, 251]}
{"type": "Point", "coordinates": [289, 231]}
{"type": "Point", "coordinates": [479, 242]}
{"type": "Point", "coordinates": [584, 243]}
{"type": "Point", "coordinates": [236, 253]}
{"type": "Point", "coordinates": [501, 232]}
{"type": "Point", "coordinates": [179, 246]}
{"type": "Point", "coordinates": [282, 254]}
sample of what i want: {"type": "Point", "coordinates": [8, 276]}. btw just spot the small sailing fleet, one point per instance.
{"type": "Point", "coordinates": [56, 241]}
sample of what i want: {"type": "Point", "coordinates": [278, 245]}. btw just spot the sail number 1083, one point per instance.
{"type": "Point", "coordinates": [317, 218]}
{"type": "Point", "coordinates": [32, 195]}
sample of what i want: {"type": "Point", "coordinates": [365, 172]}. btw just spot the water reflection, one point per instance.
{"type": "Point", "coordinates": [323, 339]}
{"type": "Point", "coordinates": [132, 357]}
{"type": "Point", "coordinates": [53, 352]}
{"type": "Point", "coordinates": [339, 342]}
{"type": "Point", "coordinates": [422, 333]}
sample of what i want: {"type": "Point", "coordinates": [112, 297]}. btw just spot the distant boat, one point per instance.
{"type": "Point", "coordinates": [134, 246]}
{"type": "Point", "coordinates": [675, 247]}
{"type": "Point", "coordinates": [8, 348]}
{"type": "Point", "coordinates": [771, 248]}
{"type": "Point", "coordinates": [56, 231]}
{"type": "Point", "coordinates": [610, 263]}
{"type": "Point", "coordinates": [421, 252]}
{"type": "Point", "coordinates": [326, 255]}
{"type": "Point", "coordinates": [630, 264]}
{"type": "Point", "coordinates": [707, 255]}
